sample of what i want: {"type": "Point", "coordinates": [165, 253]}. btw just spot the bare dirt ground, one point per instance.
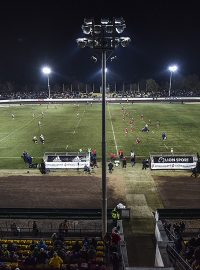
{"type": "Point", "coordinates": [50, 191]}
{"type": "Point", "coordinates": [178, 191]}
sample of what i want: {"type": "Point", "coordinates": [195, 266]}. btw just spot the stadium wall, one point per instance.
{"type": "Point", "coordinates": [98, 100]}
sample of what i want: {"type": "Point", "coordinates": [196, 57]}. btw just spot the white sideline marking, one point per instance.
{"type": "Point", "coordinates": [113, 130]}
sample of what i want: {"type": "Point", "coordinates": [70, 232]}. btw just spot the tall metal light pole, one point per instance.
{"type": "Point", "coordinates": [105, 38]}
{"type": "Point", "coordinates": [172, 69]}
{"type": "Point", "coordinates": [47, 71]}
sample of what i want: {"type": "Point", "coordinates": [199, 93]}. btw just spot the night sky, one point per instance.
{"type": "Point", "coordinates": [37, 33]}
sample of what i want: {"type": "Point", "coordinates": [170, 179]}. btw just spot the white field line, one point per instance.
{"type": "Point", "coordinates": [78, 122]}
{"type": "Point", "coordinates": [113, 130]}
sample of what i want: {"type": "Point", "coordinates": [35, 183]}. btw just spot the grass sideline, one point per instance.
{"type": "Point", "coordinates": [69, 127]}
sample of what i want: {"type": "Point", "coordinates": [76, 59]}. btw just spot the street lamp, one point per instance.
{"type": "Point", "coordinates": [104, 36]}
{"type": "Point", "coordinates": [47, 71]}
{"type": "Point", "coordinates": [172, 69]}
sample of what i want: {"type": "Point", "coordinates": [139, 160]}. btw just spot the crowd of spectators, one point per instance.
{"type": "Point", "coordinates": [58, 94]}
{"type": "Point", "coordinates": [189, 249]}
{"type": "Point", "coordinates": [60, 251]}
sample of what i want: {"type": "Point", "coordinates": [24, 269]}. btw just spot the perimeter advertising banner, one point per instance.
{"type": "Point", "coordinates": [173, 162]}
{"type": "Point", "coordinates": [66, 160]}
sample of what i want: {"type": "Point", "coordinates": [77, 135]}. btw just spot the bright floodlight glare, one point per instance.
{"type": "Point", "coordinates": [46, 70]}
{"type": "Point", "coordinates": [173, 68]}
{"type": "Point", "coordinates": [104, 21]}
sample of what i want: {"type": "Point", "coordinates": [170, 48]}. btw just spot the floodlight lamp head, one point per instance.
{"type": "Point", "coordinates": [94, 58]}
{"type": "Point", "coordinates": [173, 68]}
{"type": "Point", "coordinates": [82, 42]}
{"type": "Point", "coordinates": [109, 29]}
{"type": "Point", "coordinates": [97, 29]}
{"type": "Point", "coordinates": [125, 41]}
{"type": "Point", "coordinates": [119, 20]}
{"type": "Point", "coordinates": [115, 42]}
{"type": "Point", "coordinates": [120, 28]}
{"type": "Point", "coordinates": [86, 29]}
{"type": "Point", "coordinates": [104, 21]}
{"type": "Point", "coordinates": [46, 70]}
{"type": "Point", "coordinates": [88, 21]}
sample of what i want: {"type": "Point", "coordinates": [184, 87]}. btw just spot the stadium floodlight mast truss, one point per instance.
{"type": "Point", "coordinates": [172, 69]}
{"type": "Point", "coordinates": [47, 71]}
{"type": "Point", "coordinates": [105, 37]}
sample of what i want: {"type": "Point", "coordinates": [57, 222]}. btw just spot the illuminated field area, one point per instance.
{"type": "Point", "coordinates": [70, 127]}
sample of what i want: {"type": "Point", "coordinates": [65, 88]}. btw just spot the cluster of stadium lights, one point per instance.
{"type": "Point", "coordinates": [104, 35]}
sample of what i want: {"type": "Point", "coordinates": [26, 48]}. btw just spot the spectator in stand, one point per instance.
{"type": "Point", "coordinates": [42, 244]}
{"type": "Point", "coordinates": [55, 262]}
{"type": "Point", "coordinates": [182, 226]}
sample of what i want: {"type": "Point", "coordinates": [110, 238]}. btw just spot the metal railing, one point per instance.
{"type": "Point", "coordinates": [177, 260]}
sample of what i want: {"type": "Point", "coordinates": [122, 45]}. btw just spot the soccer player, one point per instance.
{"type": "Point", "coordinates": [126, 131]}
{"type": "Point", "coordinates": [35, 139]}
{"type": "Point", "coordinates": [39, 124]}
{"type": "Point", "coordinates": [42, 139]}
{"type": "Point", "coordinates": [138, 140]}
{"type": "Point", "coordinates": [164, 136]}
{"type": "Point", "coordinates": [142, 117]}
{"type": "Point", "coordinates": [33, 115]}
{"type": "Point", "coordinates": [13, 116]}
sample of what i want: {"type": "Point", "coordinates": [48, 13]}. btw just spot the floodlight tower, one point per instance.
{"type": "Point", "coordinates": [172, 69]}
{"type": "Point", "coordinates": [47, 71]}
{"type": "Point", "coordinates": [104, 37]}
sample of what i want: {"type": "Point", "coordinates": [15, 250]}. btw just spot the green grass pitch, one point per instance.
{"type": "Point", "coordinates": [69, 127]}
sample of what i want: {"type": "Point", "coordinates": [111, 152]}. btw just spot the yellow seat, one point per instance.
{"type": "Point", "coordinates": [9, 241]}
{"type": "Point", "coordinates": [99, 259]}
{"type": "Point", "coordinates": [22, 242]}
{"type": "Point", "coordinates": [68, 242]}
{"type": "Point", "coordinates": [100, 243]}
{"type": "Point", "coordinates": [100, 248]}
{"type": "Point", "coordinates": [28, 242]}
{"type": "Point", "coordinates": [99, 253]}
{"type": "Point", "coordinates": [16, 241]}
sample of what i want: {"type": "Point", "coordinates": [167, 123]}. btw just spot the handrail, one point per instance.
{"type": "Point", "coordinates": [177, 258]}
